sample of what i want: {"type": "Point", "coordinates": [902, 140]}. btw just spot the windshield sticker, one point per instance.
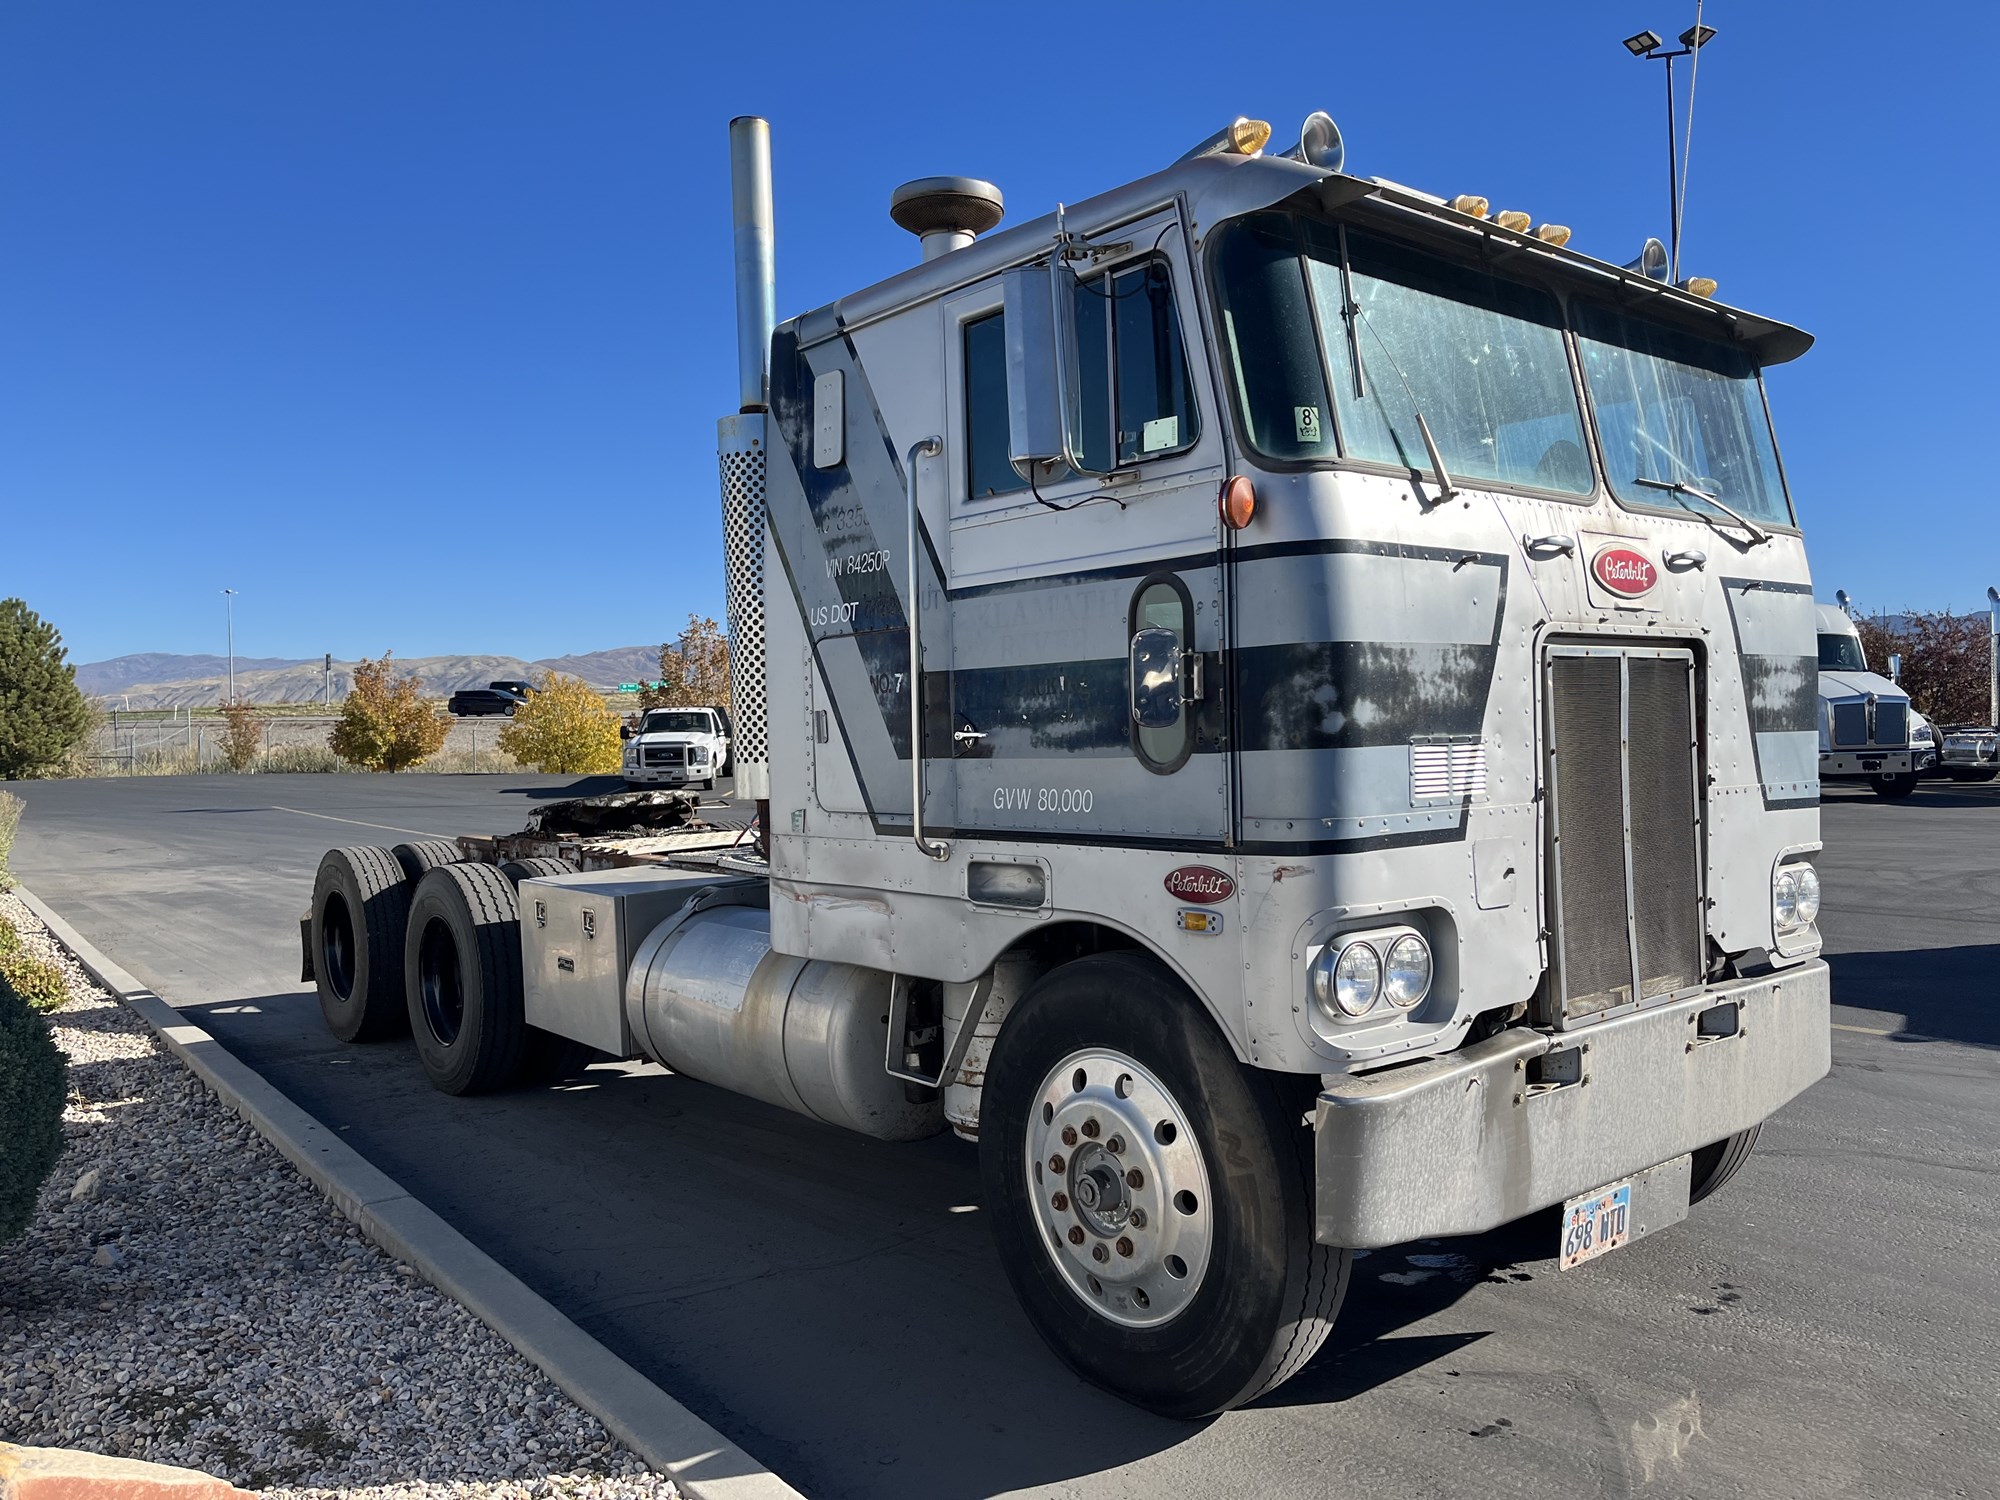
{"type": "Point", "coordinates": [1305, 420]}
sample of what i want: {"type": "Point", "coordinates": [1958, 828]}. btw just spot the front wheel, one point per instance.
{"type": "Point", "coordinates": [1715, 1164]}
{"type": "Point", "coordinates": [1151, 1196]}
{"type": "Point", "coordinates": [1895, 786]}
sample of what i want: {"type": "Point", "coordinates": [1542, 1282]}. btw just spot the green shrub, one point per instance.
{"type": "Point", "coordinates": [10, 822]}
{"type": "Point", "coordinates": [36, 982]}
{"type": "Point", "coordinates": [297, 758]}
{"type": "Point", "coordinates": [34, 1079]}
{"type": "Point", "coordinates": [10, 940]}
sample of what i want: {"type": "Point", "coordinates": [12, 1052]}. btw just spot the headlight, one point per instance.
{"type": "Point", "coordinates": [1794, 898]}
{"type": "Point", "coordinates": [1808, 879]}
{"type": "Point", "coordinates": [1407, 972]}
{"type": "Point", "coordinates": [698, 753]}
{"type": "Point", "coordinates": [1346, 980]}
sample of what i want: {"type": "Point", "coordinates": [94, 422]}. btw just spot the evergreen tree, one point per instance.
{"type": "Point", "coordinates": [43, 717]}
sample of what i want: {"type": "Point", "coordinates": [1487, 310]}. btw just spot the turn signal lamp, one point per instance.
{"type": "Point", "coordinates": [1553, 234]}
{"type": "Point", "coordinates": [1700, 286]}
{"type": "Point", "coordinates": [1239, 503]}
{"type": "Point", "coordinates": [1471, 203]}
{"type": "Point", "coordinates": [1514, 219]}
{"type": "Point", "coordinates": [1247, 137]}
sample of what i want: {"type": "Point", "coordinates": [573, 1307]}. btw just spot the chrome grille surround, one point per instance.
{"type": "Point", "coordinates": [1624, 829]}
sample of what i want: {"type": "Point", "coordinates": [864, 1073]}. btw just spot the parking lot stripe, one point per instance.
{"type": "Point", "coordinates": [1864, 1030]}
{"type": "Point", "coordinates": [358, 823]}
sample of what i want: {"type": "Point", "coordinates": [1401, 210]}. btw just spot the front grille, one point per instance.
{"type": "Point", "coordinates": [664, 755]}
{"type": "Point", "coordinates": [1624, 822]}
{"type": "Point", "coordinates": [1892, 722]}
{"type": "Point", "coordinates": [1850, 723]}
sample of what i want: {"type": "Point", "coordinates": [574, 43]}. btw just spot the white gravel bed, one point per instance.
{"type": "Point", "coordinates": [185, 1297]}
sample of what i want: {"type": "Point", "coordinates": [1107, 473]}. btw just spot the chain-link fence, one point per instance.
{"type": "Point", "coordinates": [183, 739]}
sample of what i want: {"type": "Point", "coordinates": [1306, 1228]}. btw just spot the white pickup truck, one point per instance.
{"type": "Point", "coordinates": [676, 746]}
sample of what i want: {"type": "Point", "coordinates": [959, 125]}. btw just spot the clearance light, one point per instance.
{"type": "Point", "coordinates": [1514, 219]}
{"type": "Point", "coordinates": [1239, 503]}
{"type": "Point", "coordinates": [1471, 203]}
{"type": "Point", "coordinates": [1247, 137]}
{"type": "Point", "coordinates": [1699, 286]}
{"type": "Point", "coordinates": [1553, 234]}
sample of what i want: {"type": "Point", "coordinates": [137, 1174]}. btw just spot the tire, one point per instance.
{"type": "Point", "coordinates": [1714, 1165]}
{"type": "Point", "coordinates": [1255, 1295]}
{"type": "Point", "coordinates": [419, 860]}
{"type": "Point", "coordinates": [462, 977]}
{"type": "Point", "coordinates": [518, 870]}
{"type": "Point", "coordinates": [708, 785]}
{"type": "Point", "coordinates": [360, 908]}
{"type": "Point", "coordinates": [1895, 787]}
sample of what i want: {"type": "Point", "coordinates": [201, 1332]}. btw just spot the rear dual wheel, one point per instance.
{"type": "Point", "coordinates": [360, 908]}
{"type": "Point", "coordinates": [1152, 1196]}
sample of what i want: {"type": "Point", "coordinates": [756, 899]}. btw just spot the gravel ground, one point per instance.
{"type": "Point", "coordinates": [184, 1296]}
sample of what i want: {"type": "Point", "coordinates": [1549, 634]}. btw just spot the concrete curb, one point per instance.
{"type": "Point", "coordinates": [705, 1464]}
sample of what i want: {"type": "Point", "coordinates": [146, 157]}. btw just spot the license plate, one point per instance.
{"type": "Point", "coordinates": [1595, 1224]}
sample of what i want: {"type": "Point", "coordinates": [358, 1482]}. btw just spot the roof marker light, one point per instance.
{"type": "Point", "coordinates": [1699, 286]}
{"type": "Point", "coordinates": [1240, 137]}
{"type": "Point", "coordinates": [1471, 203]}
{"type": "Point", "coordinates": [1514, 219]}
{"type": "Point", "coordinates": [1553, 234]}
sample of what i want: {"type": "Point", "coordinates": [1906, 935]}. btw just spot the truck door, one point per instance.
{"type": "Point", "coordinates": [1086, 612]}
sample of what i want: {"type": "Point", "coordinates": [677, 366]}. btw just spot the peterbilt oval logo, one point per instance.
{"type": "Point", "coordinates": [1624, 571]}
{"type": "Point", "coordinates": [1200, 884]}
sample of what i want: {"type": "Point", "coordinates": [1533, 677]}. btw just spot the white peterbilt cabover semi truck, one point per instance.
{"type": "Point", "coordinates": [1282, 706]}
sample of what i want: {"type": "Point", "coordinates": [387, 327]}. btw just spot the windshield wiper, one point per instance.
{"type": "Point", "coordinates": [1680, 489]}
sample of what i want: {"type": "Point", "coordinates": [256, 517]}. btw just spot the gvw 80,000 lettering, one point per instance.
{"type": "Point", "coordinates": [1048, 799]}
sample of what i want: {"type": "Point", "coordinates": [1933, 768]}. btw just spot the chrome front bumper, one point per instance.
{"type": "Point", "coordinates": [1866, 763]}
{"type": "Point", "coordinates": [1469, 1141]}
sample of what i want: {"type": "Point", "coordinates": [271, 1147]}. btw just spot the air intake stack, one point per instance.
{"type": "Point", "coordinates": [947, 213]}
{"type": "Point", "coordinates": [741, 447]}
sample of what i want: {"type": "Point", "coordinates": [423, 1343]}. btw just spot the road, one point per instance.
{"type": "Point", "coordinates": [1826, 1327]}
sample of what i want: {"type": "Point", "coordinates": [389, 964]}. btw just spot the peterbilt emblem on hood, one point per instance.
{"type": "Point", "coordinates": [1201, 884]}
{"type": "Point", "coordinates": [1624, 571]}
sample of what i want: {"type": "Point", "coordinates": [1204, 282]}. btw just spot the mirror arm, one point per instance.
{"type": "Point", "coordinates": [1062, 304]}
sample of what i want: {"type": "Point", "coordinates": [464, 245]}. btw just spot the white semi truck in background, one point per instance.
{"type": "Point", "coordinates": [1866, 724]}
{"type": "Point", "coordinates": [1281, 707]}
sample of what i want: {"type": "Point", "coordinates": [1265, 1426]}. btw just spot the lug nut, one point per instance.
{"type": "Point", "coordinates": [1069, 1135]}
{"type": "Point", "coordinates": [1099, 1254]}
{"type": "Point", "coordinates": [1116, 1145]}
{"type": "Point", "coordinates": [1061, 1202]}
{"type": "Point", "coordinates": [1090, 1129]}
{"type": "Point", "coordinates": [1075, 1235]}
{"type": "Point", "coordinates": [1138, 1218]}
{"type": "Point", "coordinates": [1056, 1163]}
{"type": "Point", "coordinates": [1124, 1245]}
{"type": "Point", "coordinates": [1134, 1178]}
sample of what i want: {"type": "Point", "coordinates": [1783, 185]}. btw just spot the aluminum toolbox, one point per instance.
{"type": "Point", "coordinates": [578, 934]}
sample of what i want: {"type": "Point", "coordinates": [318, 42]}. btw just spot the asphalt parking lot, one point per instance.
{"type": "Point", "coordinates": [1825, 1327]}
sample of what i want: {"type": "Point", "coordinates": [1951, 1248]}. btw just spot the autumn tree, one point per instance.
{"type": "Point", "coordinates": [694, 669]}
{"type": "Point", "coordinates": [565, 728]}
{"type": "Point", "coordinates": [242, 735]}
{"type": "Point", "coordinates": [385, 725]}
{"type": "Point", "coordinates": [43, 716]}
{"type": "Point", "coordinates": [1946, 661]}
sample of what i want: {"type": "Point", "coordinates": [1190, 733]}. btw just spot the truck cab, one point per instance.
{"type": "Point", "coordinates": [1865, 720]}
{"type": "Point", "coordinates": [678, 747]}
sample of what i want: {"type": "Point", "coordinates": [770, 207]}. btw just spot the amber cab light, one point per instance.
{"type": "Point", "coordinates": [1239, 503]}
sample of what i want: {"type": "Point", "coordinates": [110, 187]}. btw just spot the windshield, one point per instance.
{"type": "Point", "coordinates": [1671, 407]}
{"type": "Point", "coordinates": [1841, 653]}
{"type": "Point", "coordinates": [676, 721]}
{"type": "Point", "coordinates": [1481, 358]}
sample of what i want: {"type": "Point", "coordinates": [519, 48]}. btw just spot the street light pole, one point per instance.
{"type": "Point", "coordinates": [229, 605]}
{"type": "Point", "coordinates": [1993, 656]}
{"type": "Point", "coordinates": [1647, 45]}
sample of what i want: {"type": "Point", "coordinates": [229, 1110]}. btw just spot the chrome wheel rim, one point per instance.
{"type": "Point", "coordinates": [1119, 1188]}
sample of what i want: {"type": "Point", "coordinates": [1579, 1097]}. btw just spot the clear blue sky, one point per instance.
{"type": "Point", "coordinates": [412, 321]}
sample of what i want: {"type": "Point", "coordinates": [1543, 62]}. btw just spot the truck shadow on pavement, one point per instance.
{"type": "Point", "coordinates": [1944, 994]}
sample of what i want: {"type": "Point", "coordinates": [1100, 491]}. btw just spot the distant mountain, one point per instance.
{"type": "Point", "coordinates": [159, 680]}
{"type": "Point", "coordinates": [98, 678]}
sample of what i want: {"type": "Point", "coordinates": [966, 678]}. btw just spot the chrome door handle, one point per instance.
{"type": "Point", "coordinates": [967, 736]}
{"type": "Point", "coordinates": [1554, 544]}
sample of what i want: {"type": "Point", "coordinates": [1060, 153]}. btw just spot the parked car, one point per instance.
{"type": "Point", "coordinates": [494, 698]}
{"type": "Point", "coordinates": [513, 685]}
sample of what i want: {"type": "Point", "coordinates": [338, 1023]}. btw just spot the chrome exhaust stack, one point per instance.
{"type": "Point", "coordinates": [741, 448]}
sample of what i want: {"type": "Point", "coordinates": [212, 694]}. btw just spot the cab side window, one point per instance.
{"type": "Point", "coordinates": [1136, 393]}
